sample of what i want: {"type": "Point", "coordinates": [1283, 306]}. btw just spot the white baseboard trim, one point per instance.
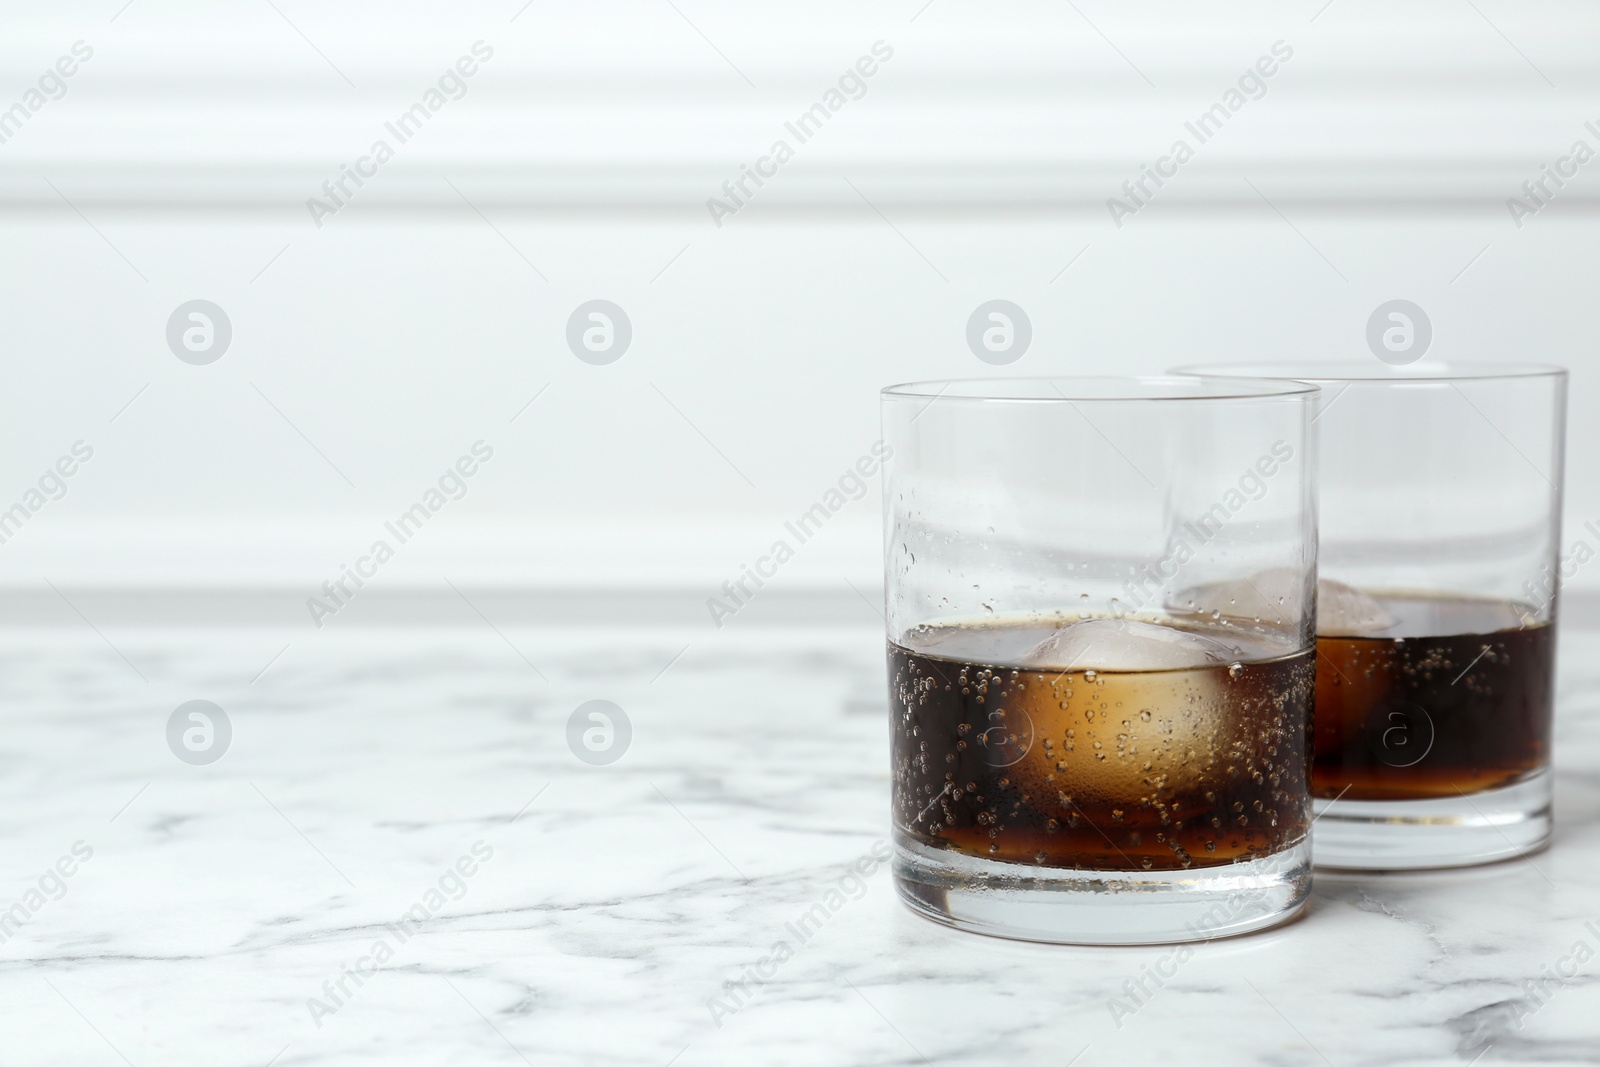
{"type": "Point", "coordinates": [478, 605]}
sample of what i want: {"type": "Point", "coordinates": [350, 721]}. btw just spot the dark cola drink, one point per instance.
{"type": "Point", "coordinates": [1188, 747]}
{"type": "Point", "coordinates": [1439, 697]}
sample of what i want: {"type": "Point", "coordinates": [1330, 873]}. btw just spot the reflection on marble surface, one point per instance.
{"type": "Point", "coordinates": [400, 860]}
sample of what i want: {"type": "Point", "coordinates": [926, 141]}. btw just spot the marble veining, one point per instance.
{"type": "Point", "coordinates": [711, 897]}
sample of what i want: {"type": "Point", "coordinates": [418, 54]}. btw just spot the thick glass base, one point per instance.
{"type": "Point", "coordinates": [1409, 835]}
{"type": "Point", "coordinates": [1101, 907]}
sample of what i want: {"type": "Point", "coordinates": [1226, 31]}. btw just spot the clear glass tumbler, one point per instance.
{"type": "Point", "coordinates": [1440, 527]}
{"type": "Point", "coordinates": [1101, 652]}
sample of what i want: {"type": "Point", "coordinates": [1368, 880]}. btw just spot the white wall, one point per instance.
{"type": "Point", "coordinates": [411, 325]}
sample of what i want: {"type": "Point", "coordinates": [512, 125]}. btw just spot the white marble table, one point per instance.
{"type": "Point", "coordinates": [617, 902]}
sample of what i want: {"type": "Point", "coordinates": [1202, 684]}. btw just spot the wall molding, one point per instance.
{"type": "Point", "coordinates": [607, 107]}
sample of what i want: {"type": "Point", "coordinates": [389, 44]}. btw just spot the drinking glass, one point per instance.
{"type": "Point", "coordinates": [1440, 528]}
{"type": "Point", "coordinates": [1100, 597]}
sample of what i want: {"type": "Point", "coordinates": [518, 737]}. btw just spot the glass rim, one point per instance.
{"type": "Point", "coordinates": [1072, 389]}
{"type": "Point", "coordinates": [1339, 370]}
